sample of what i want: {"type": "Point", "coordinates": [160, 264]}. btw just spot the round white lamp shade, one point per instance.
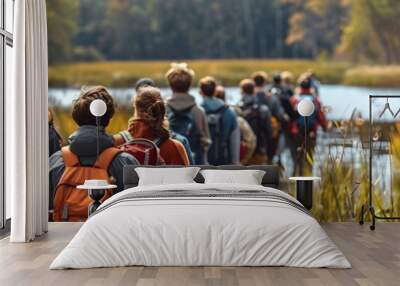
{"type": "Point", "coordinates": [305, 107]}
{"type": "Point", "coordinates": [98, 107]}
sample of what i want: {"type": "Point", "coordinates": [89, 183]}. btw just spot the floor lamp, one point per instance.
{"type": "Point", "coordinates": [305, 108]}
{"type": "Point", "coordinates": [96, 188]}
{"type": "Point", "coordinates": [304, 185]}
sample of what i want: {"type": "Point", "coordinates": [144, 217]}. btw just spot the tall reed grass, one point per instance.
{"type": "Point", "coordinates": [344, 168]}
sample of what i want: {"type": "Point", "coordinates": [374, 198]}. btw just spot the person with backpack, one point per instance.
{"type": "Point", "coordinates": [80, 160]}
{"type": "Point", "coordinates": [185, 116]}
{"type": "Point", "coordinates": [149, 138]}
{"type": "Point", "coordinates": [247, 137]}
{"type": "Point", "coordinates": [314, 121]}
{"type": "Point", "coordinates": [258, 116]}
{"type": "Point", "coordinates": [269, 97]}
{"type": "Point", "coordinates": [276, 92]}
{"type": "Point", "coordinates": [222, 124]}
{"type": "Point", "coordinates": [124, 136]}
{"type": "Point", "coordinates": [287, 93]}
{"type": "Point", "coordinates": [285, 99]}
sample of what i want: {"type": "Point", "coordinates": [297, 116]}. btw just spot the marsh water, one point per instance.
{"type": "Point", "coordinates": [340, 99]}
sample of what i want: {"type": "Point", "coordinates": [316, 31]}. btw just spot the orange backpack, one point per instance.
{"type": "Point", "coordinates": [70, 203]}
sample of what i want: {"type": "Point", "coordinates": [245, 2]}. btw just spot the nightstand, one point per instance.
{"type": "Point", "coordinates": [96, 190]}
{"type": "Point", "coordinates": [304, 190]}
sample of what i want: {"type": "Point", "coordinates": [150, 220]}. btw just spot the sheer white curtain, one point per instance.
{"type": "Point", "coordinates": [26, 124]}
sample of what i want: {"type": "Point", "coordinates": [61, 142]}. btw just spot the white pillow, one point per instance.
{"type": "Point", "coordinates": [166, 176]}
{"type": "Point", "coordinates": [248, 177]}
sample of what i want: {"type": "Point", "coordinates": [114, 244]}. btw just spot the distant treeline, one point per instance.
{"type": "Point", "coordinates": [92, 30]}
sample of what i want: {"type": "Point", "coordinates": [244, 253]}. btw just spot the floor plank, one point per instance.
{"type": "Point", "coordinates": [375, 257]}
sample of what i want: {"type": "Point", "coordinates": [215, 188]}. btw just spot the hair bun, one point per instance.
{"type": "Point", "coordinates": [149, 107]}
{"type": "Point", "coordinates": [157, 109]}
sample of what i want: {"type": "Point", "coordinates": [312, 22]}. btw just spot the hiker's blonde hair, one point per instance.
{"type": "Point", "coordinates": [247, 86]}
{"type": "Point", "coordinates": [287, 76]}
{"type": "Point", "coordinates": [180, 77]}
{"type": "Point", "coordinates": [260, 78]}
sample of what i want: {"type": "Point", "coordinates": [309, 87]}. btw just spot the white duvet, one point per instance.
{"type": "Point", "coordinates": [204, 231]}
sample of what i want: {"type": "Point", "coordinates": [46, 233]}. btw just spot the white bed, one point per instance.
{"type": "Point", "coordinates": [242, 228]}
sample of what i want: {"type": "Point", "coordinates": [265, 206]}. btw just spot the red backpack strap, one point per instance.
{"type": "Point", "coordinates": [152, 145]}
{"type": "Point", "coordinates": [158, 142]}
{"type": "Point", "coordinates": [106, 157]}
{"type": "Point", "coordinates": [70, 159]}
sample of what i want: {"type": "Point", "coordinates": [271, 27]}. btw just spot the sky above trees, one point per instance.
{"type": "Point", "coordinates": [357, 30]}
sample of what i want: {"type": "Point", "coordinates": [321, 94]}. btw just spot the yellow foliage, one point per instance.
{"type": "Point", "coordinates": [385, 76]}
{"type": "Point", "coordinates": [344, 185]}
{"type": "Point", "coordinates": [229, 72]}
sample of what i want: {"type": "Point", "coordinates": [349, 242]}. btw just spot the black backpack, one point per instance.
{"type": "Point", "coordinates": [182, 122]}
{"type": "Point", "coordinates": [218, 154]}
{"type": "Point", "coordinates": [259, 118]}
{"type": "Point", "coordinates": [276, 91]}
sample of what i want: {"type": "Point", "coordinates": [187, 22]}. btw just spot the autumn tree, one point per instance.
{"type": "Point", "coordinates": [62, 27]}
{"type": "Point", "coordinates": [316, 25]}
{"type": "Point", "coordinates": [361, 30]}
{"type": "Point", "coordinates": [372, 32]}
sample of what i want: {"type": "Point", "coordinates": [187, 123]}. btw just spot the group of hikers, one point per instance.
{"type": "Point", "coordinates": [179, 131]}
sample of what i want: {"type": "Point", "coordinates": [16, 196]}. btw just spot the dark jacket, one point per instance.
{"type": "Point", "coordinates": [229, 128]}
{"type": "Point", "coordinates": [273, 103]}
{"type": "Point", "coordinates": [83, 143]}
{"type": "Point", "coordinates": [260, 121]}
{"type": "Point", "coordinates": [54, 140]}
{"type": "Point", "coordinates": [287, 93]}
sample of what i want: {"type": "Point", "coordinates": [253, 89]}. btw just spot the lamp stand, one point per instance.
{"type": "Point", "coordinates": [96, 195]}
{"type": "Point", "coordinates": [304, 190]}
{"type": "Point", "coordinates": [97, 139]}
{"type": "Point", "coordinates": [305, 145]}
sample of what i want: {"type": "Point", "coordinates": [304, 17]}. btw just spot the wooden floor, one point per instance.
{"type": "Point", "coordinates": [375, 257]}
